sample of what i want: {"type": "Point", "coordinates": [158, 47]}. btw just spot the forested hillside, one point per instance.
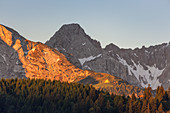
{"type": "Point", "coordinates": [40, 96]}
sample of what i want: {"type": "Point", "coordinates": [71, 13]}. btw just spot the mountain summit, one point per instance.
{"type": "Point", "coordinates": [72, 41]}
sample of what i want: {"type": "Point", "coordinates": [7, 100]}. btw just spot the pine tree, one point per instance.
{"type": "Point", "coordinates": [160, 93]}
{"type": "Point", "coordinates": [148, 93]}
{"type": "Point", "coordinates": [160, 108]}
{"type": "Point", "coordinates": [148, 108]}
{"type": "Point", "coordinates": [133, 97]}
{"type": "Point", "coordinates": [108, 107]}
{"type": "Point", "coordinates": [168, 92]}
{"type": "Point", "coordinates": [144, 107]}
{"type": "Point", "coordinates": [139, 107]}
{"type": "Point", "coordinates": [153, 105]}
{"type": "Point", "coordinates": [101, 100]}
{"type": "Point", "coordinates": [130, 106]}
{"type": "Point", "coordinates": [92, 94]}
{"type": "Point", "coordinates": [91, 110]}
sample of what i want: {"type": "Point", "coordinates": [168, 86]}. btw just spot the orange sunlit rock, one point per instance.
{"type": "Point", "coordinates": [107, 81]}
{"type": "Point", "coordinates": [43, 62]}
{"type": "Point", "coordinates": [5, 35]}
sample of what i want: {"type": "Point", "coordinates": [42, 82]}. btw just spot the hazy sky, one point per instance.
{"type": "Point", "coordinates": [126, 23]}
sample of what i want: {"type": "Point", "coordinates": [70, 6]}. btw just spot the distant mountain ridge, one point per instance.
{"type": "Point", "coordinates": [22, 58]}
{"type": "Point", "coordinates": [139, 67]}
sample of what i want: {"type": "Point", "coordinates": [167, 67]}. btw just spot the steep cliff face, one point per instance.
{"type": "Point", "coordinates": [26, 59]}
{"type": "Point", "coordinates": [139, 67]}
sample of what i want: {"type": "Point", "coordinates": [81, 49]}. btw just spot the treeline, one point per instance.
{"type": "Point", "coordinates": [40, 96]}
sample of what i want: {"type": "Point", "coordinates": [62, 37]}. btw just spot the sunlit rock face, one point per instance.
{"type": "Point", "coordinates": [46, 63]}
{"type": "Point", "coordinates": [139, 67]}
{"type": "Point", "coordinates": [6, 35]}
{"type": "Point", "coordinates": [38, 60]}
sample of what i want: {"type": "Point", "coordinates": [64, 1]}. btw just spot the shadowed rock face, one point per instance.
{"type": "Point", "coordinates": [69, 41]}
{"type": "Point", "coordinates": [148, 65]}
{"type": "Point", "coordinates": [26, 59]}
{"type": "Point", "coordinates": [10, 65]}
{"type": "Point", "coordinates": [139, 67]}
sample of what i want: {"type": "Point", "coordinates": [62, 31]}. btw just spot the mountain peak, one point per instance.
{"type": "Point", "coordinates": [75, 25]}
{"type": "Point", "coordinates": [72, 28]}
{"type": "Point", "coordinates": [69, 34]}
{"type": "Point", "coordinates": [111, 46]}
{"type": "Point", "coordinates": [9, 29]}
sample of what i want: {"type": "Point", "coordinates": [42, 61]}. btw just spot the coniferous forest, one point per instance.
{"type": "Point", "coordinates": [42, 96]}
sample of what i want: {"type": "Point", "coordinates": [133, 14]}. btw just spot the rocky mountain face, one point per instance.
{"type": "Point", "coordinates": [147, 65]}
{"type": "Point", "coordinates": [36, 59]}
{"type": "Point", "coordinates": [10, 65]}
{"type": "Point", "coordinates": [69, 42]}
{"type": "Point", "coordinates": [139, 67]}
{"type": "Point", "coordinates": [22, 58]}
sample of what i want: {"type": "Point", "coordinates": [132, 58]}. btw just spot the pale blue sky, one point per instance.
{"type": "Point", "coordinates": [126, 23]}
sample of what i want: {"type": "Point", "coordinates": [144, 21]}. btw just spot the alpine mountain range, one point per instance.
{"type": "Point", "coordinates": [139, 67]}
{"type": "Point", "coordinates": [71, 55]}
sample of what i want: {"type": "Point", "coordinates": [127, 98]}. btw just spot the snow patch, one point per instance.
{"type": "Point", "coordinates": [25, 52]}
{"type": "Point", "coordinates": [57, 49]}
{"type": "Point", "coordinates": [64, 49]}
{"type": "Point", "coordinates": [168, 44]}
{"type": "Point", "coordinates": [83, 60]}
{"type": "Point", "coordinates": [57, 59]}
{"type": "Point", "coordinates": [147, 51]}
{"type": "Point", "coordinates": [33, 49]}
{"type": "Point", "coordinates": [150, 76]}
{"type": "Point", "coordinates": [84, 44]}
{"type": "Point", "coordinates": [135, 54]}
{"type": "Point", "coordinates": [86, 66]}
{"type": "Point", "coordinates": [3, 56]}
{"type": "Point", "coordinates": [17, 62]}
